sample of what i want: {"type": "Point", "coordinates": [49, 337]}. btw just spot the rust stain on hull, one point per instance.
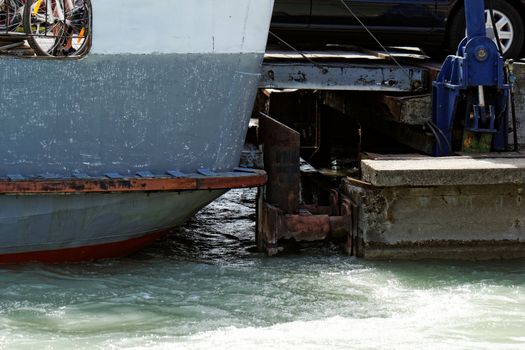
{"type": "Point", "coordinates": [103, 185]}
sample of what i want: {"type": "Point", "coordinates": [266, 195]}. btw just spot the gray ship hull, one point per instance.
{"type": "Point", "coordinates": [188, 116]}
{"type": "Point", "coordinates": [126, 113]}
{"type": "Point", "coordinates": [101, 155]}
{"type": "Point", "coordinates": [90, 226]}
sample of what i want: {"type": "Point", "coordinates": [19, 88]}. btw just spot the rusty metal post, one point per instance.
{"type": "Point", "coordinates": [279, 217]}
{"type": "Point", "coordinates": [348, 212]}
{"type": "Point", "coordinates": [281, 160]}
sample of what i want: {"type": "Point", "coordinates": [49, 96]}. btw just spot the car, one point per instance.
{"type": "Point", "coordinates": [433, 25]}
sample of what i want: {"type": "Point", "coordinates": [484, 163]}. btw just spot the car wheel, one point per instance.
{"type": "Point", "coordinates": [510, 28]}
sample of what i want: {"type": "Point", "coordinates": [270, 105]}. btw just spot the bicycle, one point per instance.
{"type": "Point", "coordinates": [11, 14]}
{"type": "Point", "coordinates": [58, 27]}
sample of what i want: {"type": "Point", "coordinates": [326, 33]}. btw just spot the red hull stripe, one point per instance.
{"type": "Point", "coordinates": [87, 253]}
{"type": "Point", "coordinates": [105, 185]}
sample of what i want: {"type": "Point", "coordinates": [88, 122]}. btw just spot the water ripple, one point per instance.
{"type": "Point", "coordinates": [203, 288]}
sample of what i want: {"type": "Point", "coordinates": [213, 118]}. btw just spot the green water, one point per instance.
{"type": "Point", "coordinates": [203, 289]}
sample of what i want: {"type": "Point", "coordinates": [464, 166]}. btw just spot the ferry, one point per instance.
{"type": "Point", "coordinates": [103, 154]}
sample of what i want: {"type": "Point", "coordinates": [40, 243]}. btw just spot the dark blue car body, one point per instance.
{"type": "Point", "coordinates": [424, 23]}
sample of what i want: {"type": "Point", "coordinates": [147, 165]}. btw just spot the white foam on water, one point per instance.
{"type": "Point", "coordinates": [200, 290]}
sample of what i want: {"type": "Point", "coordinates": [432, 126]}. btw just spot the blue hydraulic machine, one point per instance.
{"type": "Point", "coordinates": [471, 93]}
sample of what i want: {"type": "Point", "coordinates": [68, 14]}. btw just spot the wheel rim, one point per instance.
{"type": "Point", "coordinates": [44, 29]}
{"type": "Point", "coordinates": [79, 22]}
{"type": "Point", "coordinates": [67, 34]}
{"type": "Point", "coordinates": [504, 27]}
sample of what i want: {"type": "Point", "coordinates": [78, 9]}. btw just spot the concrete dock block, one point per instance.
{"type": "Point", "coordinates": [445, 171]}
{"type": "Point", "coordinates": [440, 208]}
{"type": "Point", "coordinates": [443, 222]}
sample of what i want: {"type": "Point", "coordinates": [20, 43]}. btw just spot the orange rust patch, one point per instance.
{"type": "Point", "coordinates": [132, 184]}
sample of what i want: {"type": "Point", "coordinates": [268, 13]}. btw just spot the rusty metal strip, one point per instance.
{"type": "Point", "coordinates": [104, 185]}
{"type": "Point", "coordinates": [360, 183]}
{"type": "Point", "coordinates": [253, 180]}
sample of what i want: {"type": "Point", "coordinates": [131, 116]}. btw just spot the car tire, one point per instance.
{"type": "Point", "coordinates": [514, 24]}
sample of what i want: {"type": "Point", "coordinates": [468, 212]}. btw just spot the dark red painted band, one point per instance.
{"type": "Point", "coordinates": [105, 185]}
{"type": "Point", "coordinates": [86, 253]}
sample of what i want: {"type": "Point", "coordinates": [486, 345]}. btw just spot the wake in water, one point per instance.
{"type": "Point", "coordinates": [204, 288]}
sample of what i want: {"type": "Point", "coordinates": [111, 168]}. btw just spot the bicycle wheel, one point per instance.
{"type": "Point", "coordinates": [58, 27]}
{"type": "Point", "coordinates": [78, 28]}
{"type": "Point", "coordinates": [10, 15]}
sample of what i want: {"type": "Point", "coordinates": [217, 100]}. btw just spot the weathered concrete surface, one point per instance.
{"type": "Point", "coordinates": [445, 171]}
{"type": "Point", "coordinates": [519, 99]}
{"type": "Point", "coordinates": [445, 222]}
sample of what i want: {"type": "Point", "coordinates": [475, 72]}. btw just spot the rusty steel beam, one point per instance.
{"type": "Point", "coordinates": [279, 215]}
{"type": "Point", "coordinates": [273, 226]}
{"type": "Point", "coordinates": [269, 227]}
{"type": "Point", "coordinates": [103, 185]}
{"type": "Point", "coordinates": [306, 228]}
{"type": "Point", "coordinates": [343, 77]}
{"type": "Point", "coordinates": [281, 146]}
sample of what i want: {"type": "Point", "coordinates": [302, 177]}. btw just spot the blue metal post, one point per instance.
{"type": "Point", "coordinates": [475, 18]}
{"type": "Point", "coordinates": [471, 85]}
